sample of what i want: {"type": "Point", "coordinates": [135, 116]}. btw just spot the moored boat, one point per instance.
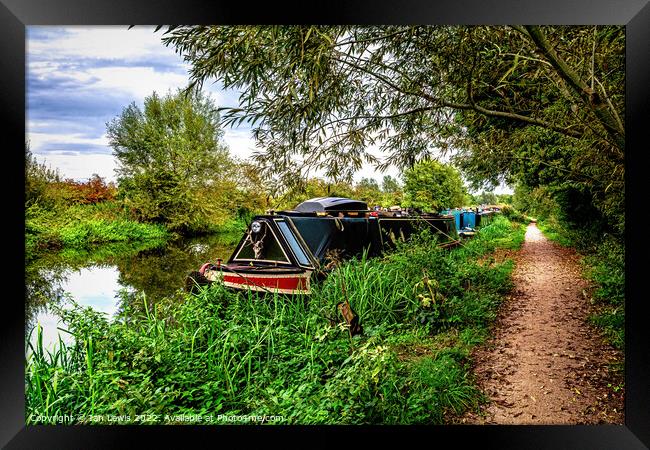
{"type": "Point", "coordinates": [283, 251]}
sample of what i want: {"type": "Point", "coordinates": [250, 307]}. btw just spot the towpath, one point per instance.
{"type": "Point", "coordinates": [546, 364]}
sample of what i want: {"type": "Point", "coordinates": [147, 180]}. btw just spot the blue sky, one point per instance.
{"type": "Point", "coordinates": [80, 77]}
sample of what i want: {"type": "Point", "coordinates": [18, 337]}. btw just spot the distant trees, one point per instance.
{"type": "Point", "coordinates": [486, 198]}
{"type": "Point", "coordinates": [172, 166]}
{"type": "Point", "coordinates": [390, 184]}
{"type": "Point", "coordinates": [368, 190]}
{"type": "Point", "coordinates": [504, 199]}
{"type": "Point", "coordinates": [431, 185]}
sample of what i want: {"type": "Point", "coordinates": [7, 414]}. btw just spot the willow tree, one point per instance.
{"type": "Point", "coordinates": [319, 97]}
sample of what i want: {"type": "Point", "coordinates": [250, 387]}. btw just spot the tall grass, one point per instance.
{"type": "Point", "coordinates": [221, 352]}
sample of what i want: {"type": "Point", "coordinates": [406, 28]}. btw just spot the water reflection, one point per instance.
{"type": "Point", "coordinates": [95, 278]}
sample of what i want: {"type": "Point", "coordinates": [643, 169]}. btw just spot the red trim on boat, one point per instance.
{"type": "Point", "coordinates": [293, 283]}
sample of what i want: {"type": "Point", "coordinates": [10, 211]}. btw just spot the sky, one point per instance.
{"type": "Point", "coordinates": [79, 78]}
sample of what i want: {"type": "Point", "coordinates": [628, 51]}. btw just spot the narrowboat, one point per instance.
{"type": "Point", "coordinates": [283, 251]}
{"type": "Point", "coordinates": [468, 220]}
{"type": "Point", "coordinates": [465, 221]}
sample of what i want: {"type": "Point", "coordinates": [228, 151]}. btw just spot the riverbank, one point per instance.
{"type": "Point", "coordinates": [422, 309]}
{"type": "Point", "coordinates": [86, 228]}
{"type": "Point", "coordinates": [94, 275]}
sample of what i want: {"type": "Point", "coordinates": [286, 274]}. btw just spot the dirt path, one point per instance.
{"type": "Point", "coordinates": [546, 364]}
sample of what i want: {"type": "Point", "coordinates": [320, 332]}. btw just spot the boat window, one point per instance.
{"type": "Point", "coordinates": [261, 246]}
{"type": "Point", "coordinates": [303, 260]}
{"type": "Point", "coordinates": [316, 232]}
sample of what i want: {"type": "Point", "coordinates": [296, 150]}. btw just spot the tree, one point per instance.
{"type": "Point", "coordinates": [318, 97]}
{"type": "Point", "coordinates": [504, 199]}
{"type": "Point", "coordinates": [431, 185]}
{"type": "Point", "coordinates": [486, 198]}
{"type": "Point", "coordinates": [172, 167]}
{"type": "Point", "coordinates": [368, 184]}
{"type": "Point", "coordinates": [368, 190]}
{"type": "Point", "coordinates": [390, 184]}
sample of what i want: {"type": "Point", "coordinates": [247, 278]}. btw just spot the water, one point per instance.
{"type": "Point", "coordinates": [95, 278]}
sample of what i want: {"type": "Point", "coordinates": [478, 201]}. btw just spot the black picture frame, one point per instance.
{"type": "Point", "coordinates": [15, 15]}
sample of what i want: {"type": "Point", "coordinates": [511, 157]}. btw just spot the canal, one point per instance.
{"type": "Point", "coordinates": [105, 277]}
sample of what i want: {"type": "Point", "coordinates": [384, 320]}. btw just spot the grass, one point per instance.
{"type": "Point", "coordinates": [219, 352]}
{"type": "Point", "coordinates": [603, 263]}
{"type": "Point", "coordinates": [83, 227]}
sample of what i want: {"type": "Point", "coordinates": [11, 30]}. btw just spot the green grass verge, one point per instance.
{"type": "Point", "coordinates": [216, 353]}
{"type": "Point", "coordinates": [84, 227]}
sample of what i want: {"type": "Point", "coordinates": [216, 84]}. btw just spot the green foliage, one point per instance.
{"type": "Point", "coordinates": [173, 169]}
{"type": "Point", "coordinates": [430, 185]}
{"type": "Point", "coordinates": [512, 214]}
{"type": "Point", "coordinates": [91, 232]}
{"type": "Point", "coordinates": [486, 198]}
{"type": "Point", "coordinates": [390, 184]}
{"type": "Point", "coordinates": [542, 106]}
{"type": "Point", "coordinates": [581, 172]}
{"type": "Point", "coordinates": [81, 227]}
{"type": "Point", "coordinates": [220, 352]}
{"type": "Point", "coordinates": [504, 199]}
{"type": "Point", "coordinates": [442, 384]}
{"type": "Point", "coordinates": [611, 320]}
{"type": "Point", "coordinates": [537, 202]}
{"type": "Point", "coordinates": [70, 192]}
{"type": "Point", "coordinates": [368, 190]}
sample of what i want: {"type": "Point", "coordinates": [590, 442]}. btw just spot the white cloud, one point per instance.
{"type": "Point", "coordinates": [137, 82]}
{"type": "Point", "coordinates": [38, 140]}
{"type": "Point", "coordinates": [96, 42]}
{"type": "Point", "coordinates": [80, 166]}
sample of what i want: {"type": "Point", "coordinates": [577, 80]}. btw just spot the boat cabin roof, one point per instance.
{"type": "Point", "coordinates": [323, 204]}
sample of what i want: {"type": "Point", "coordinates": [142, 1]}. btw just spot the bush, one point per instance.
{"type": "Point", "coordinates": [512, 214]}
{"type": "Point", "coordinates": [93, 191]}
